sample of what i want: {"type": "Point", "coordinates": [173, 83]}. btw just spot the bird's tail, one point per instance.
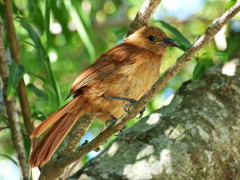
{"type": "Point", "coordinates": [64, 120]}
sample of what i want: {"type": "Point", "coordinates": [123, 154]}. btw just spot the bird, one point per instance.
{"type": "Point", "coordinates": [118, 77]}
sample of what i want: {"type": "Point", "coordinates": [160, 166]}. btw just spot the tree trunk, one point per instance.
{"type": "Point", "coordinates": [195, 137]}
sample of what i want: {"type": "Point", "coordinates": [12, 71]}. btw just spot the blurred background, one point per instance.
{"type": "Point", "coordinates": [58, 39]}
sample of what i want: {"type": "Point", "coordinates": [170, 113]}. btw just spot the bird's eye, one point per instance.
{"type": "Point", "coordinates": [151, 38]}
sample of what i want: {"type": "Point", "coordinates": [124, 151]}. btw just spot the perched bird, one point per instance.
{"type": "Point", "coordinates": [119, 76]}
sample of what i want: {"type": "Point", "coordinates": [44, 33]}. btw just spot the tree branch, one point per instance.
{"type": "Point", "coordinates": [159, 85]}
{"type": "Point", "coordinates": [17, 138]}
{"type": "Point", "coordinates": [13, 44]}
{"type": "Point", "coordinates": [196, 136]}
{"type": "Point", "coordinates": [143, 16]}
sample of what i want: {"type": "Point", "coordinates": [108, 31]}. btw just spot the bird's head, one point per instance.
{"type": "Point", "coordinates": [151, 38]}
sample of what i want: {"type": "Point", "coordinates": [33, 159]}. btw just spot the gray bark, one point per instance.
{"type": "Point", "coordinates": [195, 137]}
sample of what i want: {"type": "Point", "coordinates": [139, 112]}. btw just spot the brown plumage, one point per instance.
{"type": "Point", "coordinates": [128, 70]}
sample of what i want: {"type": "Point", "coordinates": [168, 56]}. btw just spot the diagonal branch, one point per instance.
{"type": "Point", "coordinates": [17, 138]}
{"type": "Point", "coordinates": [13, 44]}
{"type": "Point", "coordinates": [159, 85]}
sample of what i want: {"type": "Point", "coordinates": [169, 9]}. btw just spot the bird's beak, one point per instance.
{"type": "Point", "coordinates": [168, 42]}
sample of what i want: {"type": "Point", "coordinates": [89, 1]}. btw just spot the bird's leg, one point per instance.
{"type": "Point", "coordinates": [126, 106]}
{"type": "Point", "coordinates": [120, 98]}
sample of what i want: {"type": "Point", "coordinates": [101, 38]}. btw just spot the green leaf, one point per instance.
{"type": "Point", "coordinates": [37, 76]}
{"type": "Point", "coordinates": [38, 92]}
{"type": "Point", "coordinates": [198, 71]}
{"type": "Point", "coordinates": [15, 73]}
{"type": "Point", "coordinates": [229, 4]}
{"type": "Point", "coordinates": [4, 119]}
{"type": "Point", "coordinates": [47, 20]}
{"type": "Point", "coordinates": [51, 84]}
{"type": "Point", "coordinates": [37, 114]}
{"type": "Point", "coordinates": [36, 15]}
{"type": "Point", "coordinates": [10, 158]}
{"type": "Point", "coordinates": [184, 43]}
{"type": "Point", "coordinates": [221, 57]}
{"type": "Point", "coordinates": [27, 144]}
{"type": "Point", "coordinates": [207, 59]}
{"type": "Point", "coordinates": [60, 13]}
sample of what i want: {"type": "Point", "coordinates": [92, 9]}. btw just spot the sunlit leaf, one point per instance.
{"type": "Point", "coordinates": [229, 4]}
{"type": "Point", "coordinates": [184, 43]}
{"type": "Point", "coordinates": [15, 73]}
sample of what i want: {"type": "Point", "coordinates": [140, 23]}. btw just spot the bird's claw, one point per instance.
{"type": "Point", "coordinates": [110, 121]}
{"type": "Point", "coordinates": [121, 131]}
{"type": "Point", "coordinates": [141, 113]}
{"type": "Point", "coordinates": [126, 108]}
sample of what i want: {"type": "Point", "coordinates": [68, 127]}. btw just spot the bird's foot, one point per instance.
{"type": "Point", "coordinates": [120, 98]}
{"type": "Point", "coordinates": [127, 107]}
{"type": "Point", "coordinates": [121, 131]}
{"type": "Point", "coordinates": [114, 120]}
{"type": "Point", "coordinates": [111, 121]}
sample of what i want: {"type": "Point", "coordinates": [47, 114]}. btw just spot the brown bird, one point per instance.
{"type": "Point", "coordinates": [119, 76]}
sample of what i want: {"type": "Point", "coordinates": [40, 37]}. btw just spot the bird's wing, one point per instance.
{"type": "Point", "coordinates": [103, 67]}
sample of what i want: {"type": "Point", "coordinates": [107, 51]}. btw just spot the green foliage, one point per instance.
{"type": "Point", "coordinates": [38, 92]}
{"type": "Point", "coordinates": [230, 3]}
{"type": "Point", "coordinates": [43, 60]}
{"type": "Point", "coordinates": [206, 61]}
{"type": "Point", "coordinates": [15, 73]}
{"type": "Point", "coordinates": [183, 41]}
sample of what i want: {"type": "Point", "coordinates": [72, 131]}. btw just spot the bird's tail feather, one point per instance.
{"type": "Point", "coordinates": [53, 118]}
{"type": "Point", "coordinates": [64, 120]}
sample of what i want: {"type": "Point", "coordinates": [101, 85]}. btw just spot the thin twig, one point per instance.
{"type": "Point", "coordinates": [159, 85]}
{"type": "Point", "coordinates": [14, 125]}
{"type": "Point", "coordinates": [13, 44]}
{"type": "Point", "coordinates": [143, 16]}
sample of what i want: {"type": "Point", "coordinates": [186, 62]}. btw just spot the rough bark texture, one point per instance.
{"type": "Point", "coordinates": [195, 137]}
